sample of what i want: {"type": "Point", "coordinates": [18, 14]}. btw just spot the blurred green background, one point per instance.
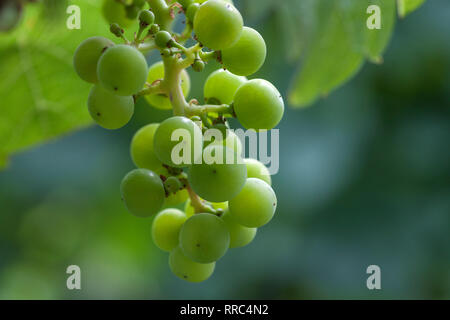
{"type": "Point", "coordinates": [364, 179]}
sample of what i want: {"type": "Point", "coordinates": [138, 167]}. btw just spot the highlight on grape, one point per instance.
{"type": "Point", "coordinates": [191, 173]}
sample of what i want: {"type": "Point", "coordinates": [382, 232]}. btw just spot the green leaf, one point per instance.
{"type": "Point", "coordinates": [405, 7]}
{"type": "Point", "coordinates": [338, 44]}
{"type": "Point", "coordinates": [41, 95]}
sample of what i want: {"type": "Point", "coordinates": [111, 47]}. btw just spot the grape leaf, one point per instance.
{"type": "Point", "coordinates": [405, 7]}
{"type": "Point", "coordinates": [338, 45]}
{"type": "Point", "coordinates": [42, 97]}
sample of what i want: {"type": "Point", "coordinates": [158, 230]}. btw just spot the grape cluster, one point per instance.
{"type": "Point", "coordinates": [224, 201]}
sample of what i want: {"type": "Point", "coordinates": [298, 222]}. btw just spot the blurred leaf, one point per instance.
{"type": "Point", "coordinates": [42, 97]}
{"type": "Point", "coordinates": [338, 44]}
{"type": "Point", "coordinates": [405, 7]}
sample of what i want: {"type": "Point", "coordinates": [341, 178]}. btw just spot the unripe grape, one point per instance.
{"type": "Point", "coordinates": [175, 199]}
{"type": "Point", "coordinates": [166, 228]}
{"type": "Point", "coordinates": [154, 28]}
{"type": "Point", "coordinates": [115, 12]}
{"type": "Point", "coordinates": [143, 192]}
{"type": "Point", "coordinates": [163, 39]}
{"type": "Point", "coordinates": [109, 110]}
{"type": "Point", "coordinates": [204, 238]}
{"type": "Point", "coordinates": [231, 141]}
{"type": "Point", "coordinates": [188, 270]}
{"type": "Point", "coordinates": [222, 85]}
{"type": "Point", "coordinates": [122, 69]}
{"type": "Point", "coordinates": [116, 30]}
{"type": "Point", "coordinates": [161, 101]}
{"type": "Point", "coordinates": [258, 105]}
{"type": "Point", "coordinates": [247, 55]}
{"type": "Point", "coordinates": [87, 55]}
{"type": "Point", "coordinates": [256, 169]}
{"type": "Point", "coordinates": [142, 152]}
{"type": "Point", "coordinates": [146, 17]}
{"type": "Point", "coordinates": [191, 11]}
{"type": "Point", "coordinates": [220, 180]}
{"type": "Point", "coordinates": [172, 184]}
{"type": "Point", "coordinates": [198, 65]}
{"type": "Point", "coordinates": [167, 141]}
{"type": "Point", "coordinates": [185, 3]}
{"type": "Point", "coordinates": [240, 236]}
{"type": "Point", "coordinates": [217, 24]}
{"type": "Point", "coordinates": [255, 205]}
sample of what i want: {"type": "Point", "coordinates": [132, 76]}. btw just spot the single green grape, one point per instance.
{"type": "Point", "coordinates": [177, 198]}
{"type": "Point", "coordinates": [255, 205]}
{"type": "Point", "coordinates": [258, 105]}
{"type": "Point", "coordinates": [186, 269]}
{"type": "Point", "coordinates": [115, 12]}
{"type": "Point", "coordinates": [191, 11]}
{"type": "Point", "coordinates": [189, 209]}
{"type": "Point", "coordinates": [161, 101]}
{"type": "Point", "coordinates": [221, 85]}
{"type": "Point", "coordinates": [146, 17]}
{"type": "Point", "coordinates": [231, 141]}
{"type": "Point", "coordinates": [247, 55]}
{"type": "Point", "coordinates": [108, 110]}
{"type": "Point", "coordinates": [204, 238]}
{"type": "Point", "coordinates": [122, 69]}
{"type": "Point", "coordinates": [217, 24]}
{"type": "Point", "coordinates": [166, 228]}
{"type": "Point", "coordinates": [185, 3]}
{"type": "Point", "coordinates": [177, 142]}
{"type": "Point", "coordinates": [256, 169]}
{"type": "Point", "coordinates": [141, 149]}
{"type": "Point", "coordinates": [87, 55]}
{"type": "Point", "coordinates": [220, 176]}
{"type": "Point", "coordinates": [143, 192]}
{"type": "Point", "coordinates": [240, 236]}
{"type": "Point", "coordinates": [162, 39]}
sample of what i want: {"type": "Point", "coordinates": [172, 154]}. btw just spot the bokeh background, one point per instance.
{"type": "Point", "coordinates": [364, 179]}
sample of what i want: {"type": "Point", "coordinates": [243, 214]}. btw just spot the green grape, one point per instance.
{"type": "Point", "coordinates": [232, 141]}
{"type": "Point", "coordinates": [217, 24]}
{"type": "Point", "coordinates": [189, 209]}
{"type": "Point", "coordinates": [108, 110]}
{"type": "Point", "coordinates": [255, 205]}
{"type": "Point", "coordinates": [247, 55]}
{"type": "Point", "coordinates": [162, 39]}
{"type": "Point", "coordinates": [204, 238]}
{"type": "Point", "coordinates": [143, 192]}
{"type": "Point", "coordinates": [115, 12]}
{"type": "Point", "coordinates": [122, 69]}
{"type": "Point", "coordinates": [166, 228]}
{"type": "Point", "coordinates": [177, 198]}
{"type": "Point", "coordinates": [256, 169]}
{"type": "Point", "coordinates": [240, 236]}
{"type": "Point", "coordinates": [188, 270]}
{"type": "Point", "coordinates": [221, 86]}
{"type": "Point", "coordinates": [198, 65]}
{"type": "Point", "coordinates": [186, 148]}
{"type": "Point", "coordinates": [185, 3]}
{"type": "Point", "coordinates": [191, 11]}
{"type": "Point", "coordinates": [142, 151]}
{"type": "Point", "coordinates": [219, 181]}
{"type": "Point", "coordinates": [147, 17]}
{"type": "Point", "coordinates": [161, 101]}
{"type": "Point", "coordinates": [258, 105]}
{"type": "Point", "coordinates": [173, 184]}
{"type": "Point", "coordinates": [87, 55]}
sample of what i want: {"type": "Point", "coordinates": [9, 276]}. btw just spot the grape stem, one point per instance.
{"type": "Point", "coordinates": [198, 205]}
